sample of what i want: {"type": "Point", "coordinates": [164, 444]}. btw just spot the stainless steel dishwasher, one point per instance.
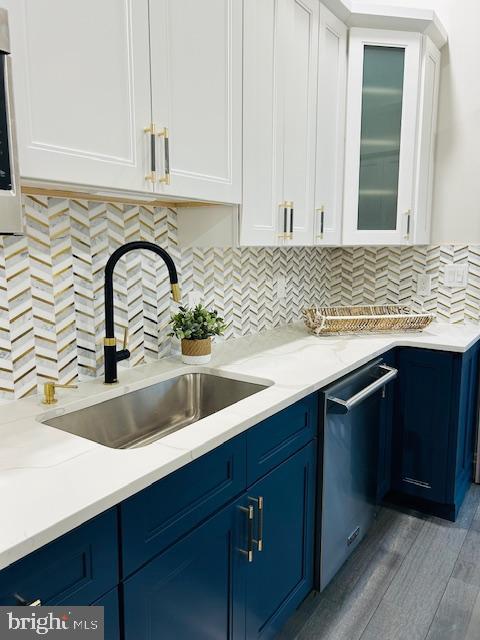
{"type": "Point", "coordinates": [351, 421]}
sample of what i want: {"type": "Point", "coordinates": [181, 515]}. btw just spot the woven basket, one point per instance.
{"type": "Point", "coordinates": [197, 347]}
{"type": "Point", "coordinates": [364, 319]}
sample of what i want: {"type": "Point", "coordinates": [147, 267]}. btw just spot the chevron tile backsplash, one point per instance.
{"type": "Point", "coordinates": [51, 286]}
{"type": "Point", "coordinates": [380, 275]}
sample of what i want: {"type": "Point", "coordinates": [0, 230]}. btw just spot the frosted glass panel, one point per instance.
{"type": "Point", "coordinates": [382, 94]}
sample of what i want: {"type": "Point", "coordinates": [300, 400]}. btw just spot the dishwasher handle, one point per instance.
{"type": "Point", "coordinates": [346, 405]}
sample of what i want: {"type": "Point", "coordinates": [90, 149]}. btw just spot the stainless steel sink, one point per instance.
{"type": "Point", "coordinates": [141, 417]}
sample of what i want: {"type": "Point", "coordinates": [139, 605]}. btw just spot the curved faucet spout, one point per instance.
{"type": "Point", "coordinates": [112, 356]}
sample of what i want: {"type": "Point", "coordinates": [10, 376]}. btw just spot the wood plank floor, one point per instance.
{"type": "Point", "coordinates": [414, 577]}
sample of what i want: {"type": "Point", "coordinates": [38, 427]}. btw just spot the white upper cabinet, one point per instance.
{"type": "Point", "coordinates": [391, 114]}
{"type": "Point", "coordinates": [196, 74]}
{"type": "Point", "coordinates": [300, 118]}
{"type": "Point", "coordinates": [82, 93]}
{"type": "Point", "coordinates": [279, 121]}
{"type": "Point", "coordinates": [263, 113]}
{"type": "Point", "coordinates": [162, 97]}
{"type": "Point", "coordinates": [430, 84]}
{"type": "Point", "coordinates": [90, 78]}
{"type": "Point", "coordinates": [331, 101]}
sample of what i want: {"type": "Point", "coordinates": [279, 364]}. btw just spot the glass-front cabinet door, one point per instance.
{"type": "Point", "coordinates": [381, 136]}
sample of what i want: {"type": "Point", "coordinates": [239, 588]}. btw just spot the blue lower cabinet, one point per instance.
{"type": "Point", "coordinates": [281, 574]}
{"type": "Point", "coordinates": [464, 434]}
{"type": "Point", "coordinates": [275, 439]}
{"type": "Point", "coordinates": [111, 614]}
{"type": "Point", "coordinates": [204, 585]}
{"type": "Point", "coordinates": [157, 516]}
{"type": "Point", "coordinates": [222, 549]}
{"type": "Point", "coordinates": [424, 414]}
{"type": "Point", "coordinates": [75, 569]}
{"type": "Point", "coordinates": [195, 589]}
{"type": "Point", "coordinates": [434, 428]}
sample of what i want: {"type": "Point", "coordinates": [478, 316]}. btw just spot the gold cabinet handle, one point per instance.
{"type": "Point", "coordinates": [287, 206]}
{"type": "Point", "coordinates": [49, 391]}
{"type": "Point", "coordinates": [321, 211]}
{"type": "Point", "coordinates": [284, 205]}
{"type": "Point", "coordinates": [259, 540]}
{"type": "Point", "coordinates": [166, 146]}
{"type": "Point", "coordinates": [249, 550]}
{"type": "Point", "coordinates": [24, 603]}
{"type": "Point", "coordinates": [408, 213]}
{"type": "Point", "coordinates": [151, 131]}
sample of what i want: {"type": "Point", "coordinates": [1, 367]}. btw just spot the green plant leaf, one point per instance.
{"type": "Point", "coordinates": [196, 323]}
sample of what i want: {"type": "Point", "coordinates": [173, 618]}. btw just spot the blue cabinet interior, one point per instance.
{"type": "Point", "coordinates": [182, 571]}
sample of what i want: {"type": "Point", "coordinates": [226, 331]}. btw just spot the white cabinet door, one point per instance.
{"type": "Point", "coordinates": [82, 94]}
{"type": "Point", "coordinates": [381, 136]}
{"type": "Point", "coordinates": [279, 121]}
{"type": "Point", "coordinates": [422, 209]}
{"type": "Point", "coordinates": [196, 73]}
{"type": "Point", "coordinates": [300, 121]}
{"type": "Point", "coordinates": [331, 102]}
{"type": "Point", "coordinates": [263, 114]}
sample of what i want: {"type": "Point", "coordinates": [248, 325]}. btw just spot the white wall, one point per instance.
{"type": "Point", "coordinates": [456, 204]}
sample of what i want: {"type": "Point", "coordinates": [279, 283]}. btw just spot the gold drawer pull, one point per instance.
{"type": "Point", "coordinates": [287, 235]}
{"type": "Point", "coordinates": [259, 540]}
{"type": "Point", "coordinates": [321, 211]}
{"type": "Point", "coordinates": [166, 146]}
{"type": "Point", "coordinates": [151, 131]}
{"type": "Point", "coordinates": [249, 551]}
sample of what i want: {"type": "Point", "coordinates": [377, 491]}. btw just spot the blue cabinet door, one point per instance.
{"type": "Point", "coordinates": [109, 602]}
{"type": "Point", "coordinates": [281, 574]}
{"type": "Point", "coordinates": [423, 422]}
{"type": "Point", "coordinates": [161, 514]}
{"type": "Point", "coordinates": [462, 441]}
{"type": "Point", "coordinates": [194, 589]}
{"type": "Point", "coordinates": [75, 569]}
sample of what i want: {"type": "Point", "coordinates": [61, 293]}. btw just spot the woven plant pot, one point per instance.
{"type": "Point", "coordinates": [196, 351]}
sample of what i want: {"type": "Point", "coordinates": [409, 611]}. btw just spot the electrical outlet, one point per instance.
{"type": "Point", "coordinates": [194, 298]}
{"type": "Point", "coordinates": [424, 284]}
{"type": "Point", "coordinates": [455, 276]}
{"type": "Point", "coordinates": [280, 286]}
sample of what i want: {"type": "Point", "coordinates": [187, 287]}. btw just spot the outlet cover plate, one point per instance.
{"type": "Point", "coordinates": [424, 284]}
{"type": "Point", "coordinates": [455, 276]}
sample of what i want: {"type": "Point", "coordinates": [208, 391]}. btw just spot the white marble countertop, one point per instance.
{"type": "Point", "coordinates": [51, 481]}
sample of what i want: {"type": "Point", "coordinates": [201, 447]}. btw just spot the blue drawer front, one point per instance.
{"type": "Point", "coordinates": [111, 614]}
{"type": "Point", "coordinates": [75, 569]}
{"type": "Point", "coordinates": [272, 441]}
{"type": "Point", "coordinates": [153, 519]}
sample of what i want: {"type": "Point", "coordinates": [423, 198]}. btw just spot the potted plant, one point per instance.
{"type": "Point", "coordinates": [194, 327]}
